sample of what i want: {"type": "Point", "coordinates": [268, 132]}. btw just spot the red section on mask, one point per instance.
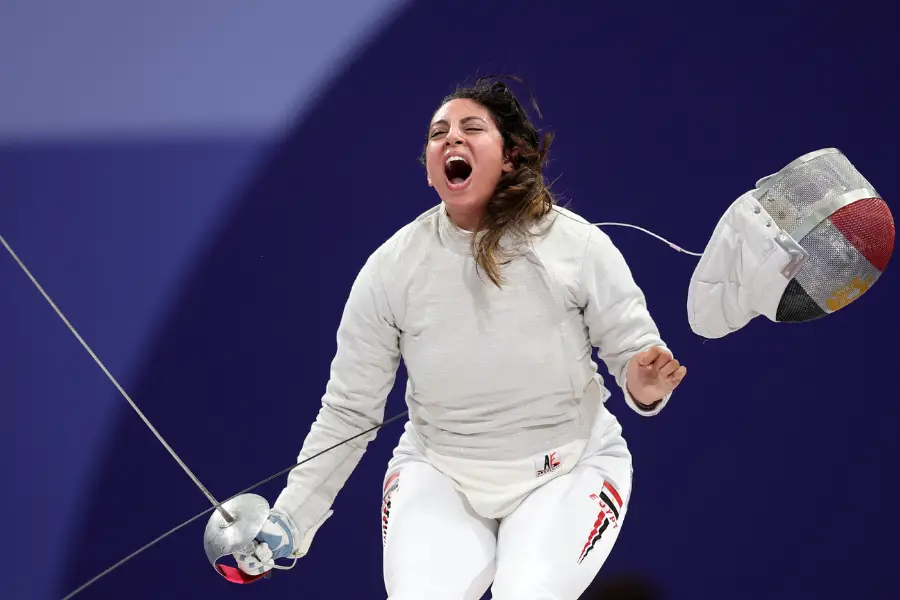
{"type": "Point", "coordinates": [869, 227]}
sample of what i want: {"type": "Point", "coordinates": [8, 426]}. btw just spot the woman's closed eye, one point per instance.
{"type": "Point", "coordinates": [439, 132]}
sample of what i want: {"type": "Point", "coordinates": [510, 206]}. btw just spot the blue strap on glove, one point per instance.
{"type": "Point", "coordinates": [274, 541]}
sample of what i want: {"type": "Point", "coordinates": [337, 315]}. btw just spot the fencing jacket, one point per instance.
{"type": "Point", "coordinates": [493, 373]}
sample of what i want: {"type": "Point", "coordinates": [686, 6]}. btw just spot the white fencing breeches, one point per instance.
{"type": "Point", "coordinates": [549, 548]}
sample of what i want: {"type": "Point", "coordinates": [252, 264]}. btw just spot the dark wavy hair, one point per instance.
{"type": "Point", "coordinates": [522, 196]}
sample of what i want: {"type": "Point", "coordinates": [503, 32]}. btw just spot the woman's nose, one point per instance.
{"type": "Point", "coordinates": [453, 137]}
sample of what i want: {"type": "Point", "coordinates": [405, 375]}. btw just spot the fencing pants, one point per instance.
{"type": "Point", "coordinates": [550, 547]}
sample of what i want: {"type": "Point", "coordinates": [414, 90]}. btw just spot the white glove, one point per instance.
{"type": "Point", "coordinates": [275, 540]}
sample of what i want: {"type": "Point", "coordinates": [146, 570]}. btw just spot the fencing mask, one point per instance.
{"type": "Point", "coordinates": [806, 242]}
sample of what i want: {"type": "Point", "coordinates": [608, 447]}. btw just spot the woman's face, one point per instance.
{"type": "Point", "coordinates": [464, 157]}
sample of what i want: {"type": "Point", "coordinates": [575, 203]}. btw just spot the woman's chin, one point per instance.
{"type": "Point", "coordinates": [463, 196]}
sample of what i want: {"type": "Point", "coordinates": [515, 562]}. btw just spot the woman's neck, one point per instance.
{"type": "Point", "coordinates": [467, 220]}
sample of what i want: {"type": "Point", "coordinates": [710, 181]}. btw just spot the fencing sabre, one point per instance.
{"type": "Point", "coordinates": [238, 519]}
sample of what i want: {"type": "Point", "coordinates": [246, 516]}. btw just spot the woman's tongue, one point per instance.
{"type": "Point", "coordinates": [458, 172]}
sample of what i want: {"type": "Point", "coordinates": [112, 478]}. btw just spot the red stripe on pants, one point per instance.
{"type": "Point", "coordinates": [613, 491]}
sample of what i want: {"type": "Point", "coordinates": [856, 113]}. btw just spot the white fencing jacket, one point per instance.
{"type": "Point", "coordinates": [493, 374]}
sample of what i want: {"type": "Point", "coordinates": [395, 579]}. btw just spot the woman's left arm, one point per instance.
{"type": "Point", "coordinates": [621, 328]}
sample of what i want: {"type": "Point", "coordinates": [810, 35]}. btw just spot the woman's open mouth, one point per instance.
{"type": "Point", "coordinates": [458, 172]}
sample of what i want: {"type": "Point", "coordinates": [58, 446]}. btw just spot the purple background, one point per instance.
{"type": "Point", "coordinates": [196, 188]}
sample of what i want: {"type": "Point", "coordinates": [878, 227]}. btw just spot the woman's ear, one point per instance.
{"type": "Point", "coordinates": [508, 161]}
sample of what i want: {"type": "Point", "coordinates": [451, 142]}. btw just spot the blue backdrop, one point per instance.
{"type": "Point", "coordinates": [197, 190]}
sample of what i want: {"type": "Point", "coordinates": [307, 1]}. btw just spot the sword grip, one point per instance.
{"type": "Point", "coordinates": [250, 548]}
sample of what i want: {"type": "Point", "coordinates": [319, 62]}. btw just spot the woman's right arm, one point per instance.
{"type": "Point", "coordinates": [362, 375]}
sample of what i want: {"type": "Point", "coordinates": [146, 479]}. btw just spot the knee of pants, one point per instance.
{"type": "Point", "coordinates": [523, 588]}
{"type": "Point", "coordinates": [437, 586]}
